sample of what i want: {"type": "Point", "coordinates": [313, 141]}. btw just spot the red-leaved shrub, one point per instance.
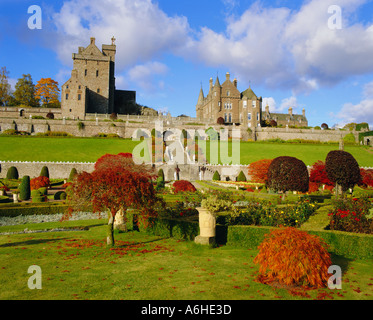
{"type": "Point", "coordinates": [39, 182]}
{"type": "Point", "coordinates": [366, 178]}
{"type": "Point", "coordinates": [319, 176]}
{"type": "Point", "coordinates": [183, 186]}
{"type": "Point", "coordinates": [293, 257]}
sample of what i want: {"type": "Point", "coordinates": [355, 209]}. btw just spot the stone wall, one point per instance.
{"type": "Point", "coordinates": [127, 126]}
{"type": "Point", "coordinates": [57, 170]}
{"type": "Point", "coordinates": [18, 113]}
{"type": "Point", "coordinates": [261, 134]}
{"type": "Point", "coordinates": [61, 170]}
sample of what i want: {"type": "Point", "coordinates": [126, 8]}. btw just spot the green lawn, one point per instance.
{"type": "Point", "coordinates": [77, 265]}
{"type": "Point", "coordinates": [60, 149]}
{"type": "Point", "coordinates": [90, 149]}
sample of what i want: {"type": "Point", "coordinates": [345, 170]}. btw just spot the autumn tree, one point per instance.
{"type": "Point", "coordinates": [25, 92]}
{"type": "Point", "coordinates": [115, 185]}
{"type": "Point", "coordinates": [288, 174]}
{"type": "Point", "coordinates": [47, 91]}
{"type": "Point", "coordinates": [5, 88]}
{"type": "Point", "coordinates": [258, 170]}
{"type": "Point", "coordinates": [343, 169]}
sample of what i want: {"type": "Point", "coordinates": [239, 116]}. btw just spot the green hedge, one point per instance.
{"type": "Point", "coordinates": [178, 229]}
{"type": "Point", "coordinates": [40, 209]}
{"type": "Point", "coordinates": [352, 246]}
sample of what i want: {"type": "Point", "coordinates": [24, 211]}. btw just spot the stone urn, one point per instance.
{"type": "Point", "coordinates": [120, 221]}
{"type": "Point", "coordinates": [15, 197]}
{"type": "Point", "coordinates": [207, 227]}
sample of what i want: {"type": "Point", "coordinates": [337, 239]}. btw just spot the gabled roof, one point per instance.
{"type": "Point", "coordinates": [249, 94]}
{"type": "Point", "coordinates": [92, 50]}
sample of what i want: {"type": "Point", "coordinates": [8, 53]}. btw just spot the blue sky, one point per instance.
{"type": "Point", "coordinates": [288, 51]}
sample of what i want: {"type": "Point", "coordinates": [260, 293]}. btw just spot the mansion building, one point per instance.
{"type": "Point", "coordinates": [243, 108]}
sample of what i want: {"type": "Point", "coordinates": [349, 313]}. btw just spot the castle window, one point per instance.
{"type": "Point", "coordinates": [85, 72]}
{"type": "Point", "coordinates": [225, 117]}
{"type": "Point", "coordinates": [230, 118]}
{"type": "Point", "coordinates": [254, 104]}
{"type": "Point", "coordinates": [80, 87]}
{"type": "Point", "coordinates": [98, 90]}
{"type": "Point", "coordinates": [67, 96]}
{"type": "Point", "coordinates": [257, 116]}
{"type": "Point", "coordinates": [79, 97]}
{"type": "Point", "coordinates": [67, 86]}
{"type": "Point", "coordinates": [96, 73]}
{"type": "Point", "coordinates": [249, 116]}
{"type": "Point", "coordinates": [245, 104]}
{"type": "Point", "coordinates": [228, 93]}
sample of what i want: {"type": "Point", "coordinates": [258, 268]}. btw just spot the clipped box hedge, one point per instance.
{"type": "Point", "coordinates": [349, 245]}
{"type": "Point", "coordinates": [39, 209]}
{"type": "Point", "coordinates": [170, 228]}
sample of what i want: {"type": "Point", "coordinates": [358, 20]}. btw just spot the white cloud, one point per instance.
{"type": "Point", "coordinates": [288, 49]}
{"type": "Point", "coordinates": [273, 46]}
{"type": "Point", "coordinates": [144, 75]}
{"type": "Point", "coordinates": [361, 112]}
{"type": "Point", "coordinates": [286, 103]}
{"type": "Point", "coordinates": [142, 30]}
{"type": "Point", "coordinates": [368, 90]}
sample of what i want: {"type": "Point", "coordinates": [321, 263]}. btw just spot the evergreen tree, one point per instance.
{"type": "Point", "coordinates": [25, 92]}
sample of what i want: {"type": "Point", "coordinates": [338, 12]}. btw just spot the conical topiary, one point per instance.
{"type": "Point", "coordinates": [160, 175]}
{"type": "Point", "coordinates": [44, 172]}
{"type": "Point", "coordinates": [12, 173]}
{"type": "Point", "coordinates": [216, 176]}
{"type": "Point", "coordinates": [241, 177]}
{"type": "Point", "coordinates": [24, 189]}
{"type": "Point", "coordinates": [73, 173]}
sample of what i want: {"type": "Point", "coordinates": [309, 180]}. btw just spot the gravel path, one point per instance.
{"type": "Point", "coordinates": [19, 220]}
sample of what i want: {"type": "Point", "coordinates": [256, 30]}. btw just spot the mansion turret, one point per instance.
{"type": "Point", "coordinates": [245, 108]}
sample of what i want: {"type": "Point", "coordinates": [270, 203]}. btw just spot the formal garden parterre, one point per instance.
{"type": "Point", "coordinates": [161, 221]}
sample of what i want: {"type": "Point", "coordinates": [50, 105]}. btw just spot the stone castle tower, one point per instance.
{"type": "Point", "coordinates": [227, 102]}
{"type": "Point", "coordinates": [91, 88]}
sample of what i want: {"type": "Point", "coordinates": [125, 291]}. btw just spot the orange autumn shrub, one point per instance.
{"type": "Point", "coordinates": [39, 182]}
{"type": "Point", "coordinates": [293, 257]}
{"type": "Point", "coordinates": [258, 170]}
